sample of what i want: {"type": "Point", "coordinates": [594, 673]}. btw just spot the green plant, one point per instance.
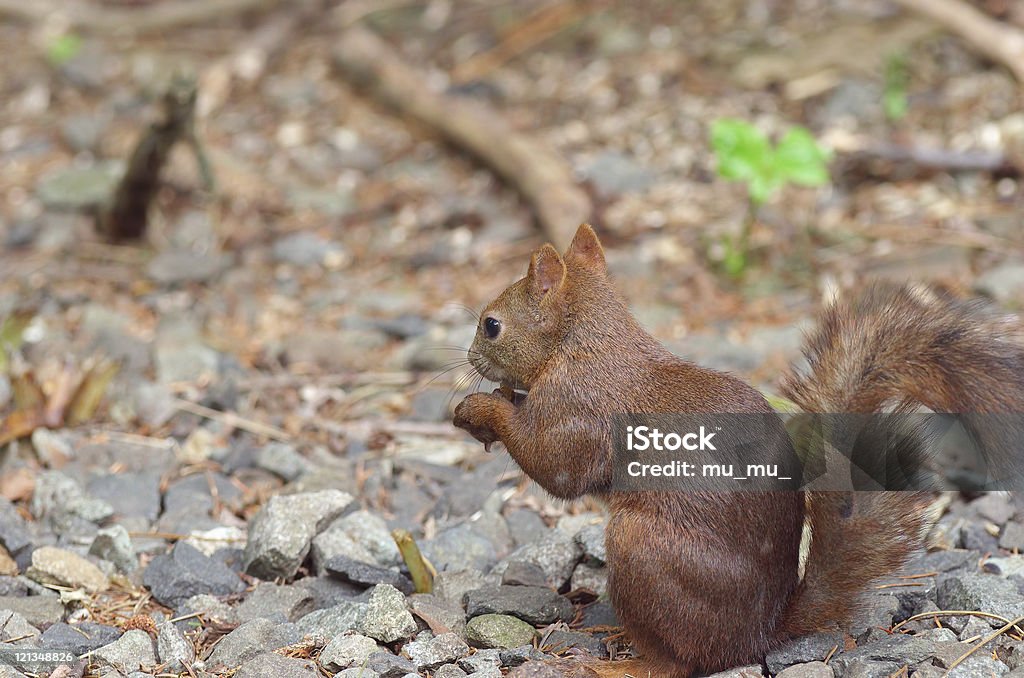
{"type": "Point", "coordinates": [63, 49]}
{"type": "Point", "coordinates": [894, 97]}
{"type": "Point", "coordinates": [744, 153]}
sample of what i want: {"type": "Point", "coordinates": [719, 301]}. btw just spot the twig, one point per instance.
{"type": "Point", "coordinates": [997, 41]}
{"type": "Point", "coordinates": [984, 641]}
{"type": "Point", "coordinates": [232, 420]}
{"type": "Point", "coordinates": [539, 175]}
{"type": "Point", "coordinates": [414, 560]}
{"type": "Point", "coordinates": [954, 613]}
{"type": "Point", "coordinates": [157, 16]}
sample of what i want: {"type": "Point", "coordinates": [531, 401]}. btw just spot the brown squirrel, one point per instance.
{"type": "Point", "coordinates": [703, 582]}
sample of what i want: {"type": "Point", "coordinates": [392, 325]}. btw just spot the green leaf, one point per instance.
{"type": "Point", "coordinates": [799, 158]}
{"type": "Point", "coordinates": [894, 98]}
{"type": "Point", "coordinates": [743, 152]}
{"type": "Point", "coordinates": [63, 49]}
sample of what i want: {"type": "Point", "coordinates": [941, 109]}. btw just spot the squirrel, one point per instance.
{"type": "Point", "coordinates": [706, 581]}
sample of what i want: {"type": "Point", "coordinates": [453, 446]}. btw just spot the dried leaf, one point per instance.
{"type": "Point", "coordinates": [19, 424]}
{"type": "Point", "coordinates": [28, 394]}
{"type": "Point", "coordinates": [90, 392]}
{"type": "Point", "coordinates": [17, 485]}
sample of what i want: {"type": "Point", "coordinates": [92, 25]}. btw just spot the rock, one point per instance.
{"type": "Point", "coordinates": [15, 630]}
{"type": "Point", "coordinates": [328, 592]}
{"type": "Point", "coordinates": [335, 542]}
{"type": "Point", "coordinates": [430, 653]}
{"type": "Point", "coordinates": [185, 572]}
{"type": "Point", "coordinates": [371, 532]}
{"type": "Point", "coordinates": [591, 540]}
{"type": "Point", "coordinates": [15, 535]}
{"type": "Point", "coordinates": [39, 611]}
{"type": "Point", "coordinates": [193, 492]}
{"type": "Point", "coordinates": [900, 649]}
{"type": "Point", "coordinates": [357, 672]}
{"type": "Point", "coordinates": [439, 611]}
{"type": "Point", "coordinates": [489, 672]}
{"type": "Point", "coordinates": [306, 249]}
{"type": "Point", "coordinates": [173, 648]}
{"type": "Point", "coordinates": [559, 640]}
{"type": "Point", "coordinates": [82, 132]}
{"type": "Point", "coordinates": [556, 554]}
{"type": "Point", "coordinates": [387, 665]}
{"type": "Point", "coordinates": [523, 573]}
{"type": "Point", "coordinates": [518, 655]}
{"type": "Point", "coordinates": [114, 545]}
{"type": "Point", "coordinates": [613, 173]}
{"type": "Point", "coordinates": [866, 668]}
{"type": "Point", "coordinates": [130, 652]}
{"type": "Point", "coordinates": [1003, 283]}
{"type": "Point", "coordinates": [812, 648]}
{"type": "Point", "coordinates": [752, 671]}
{"type": "Point", "coordinates": [281, 533]}
{"type": "Point", "coordinates": [1012, 538]}
{"type": "Point", "coordinates": [363, 574]}
{"type": "Point", "coordinates": [51, 447]}
{"type": "Point", "coordinates": [498, 631]}
{"type": "Point", "coordinates": [994, 507]}
{"type": "Point", "coordinates": [461, 548]}
{"type": "Point", "coordinates": [251, 639]}
{"type": "Point", "coordinates": [536, 605]}
{"type": "Point", "coordinates": [51, 565]}
{"type": "Point", "coordinates": [1009, 566]}
{"type": "Point", "coordinates": [387, 618]}
{"type": "Point", "coordinates": [130, 494]}
{"type": "Point", "coordinates": [335, 349]}
{"type": "Point", "coordinates": [974, 591]}
{"type": "Point", "coordinates": [347, 650]}
{"type": "Point", "coordinates": [808, 670]}
{"type": "Point", "coordinates": [79, 638]}
{"type": "Point", "coordinates": [180, 353]}
{"type": "Point", "coordinates": [449, 671]}
{"type": "Point", "coordinates": [79, 188]}
{"type": "Point", "coordinates": [590, 578]}
{"type": "Point", "coordinates": [210, 607]}
{"type": "Point", "coordinates": [345, 616]}
{"type": "Point", "coordinates": [283, 461]}
{"type": "Point", "coordinates": [59, 499]}
{"type": "Point", "coordinates": [273, 665]}
{"type": "Point", "coordinates": [453, 585]}
{"type": "Point", "coordinates": [480, 660]}
{"type": "Point", "coordinates": [271, 601]}
{"type": "Point", "coordinates": [181, 266]}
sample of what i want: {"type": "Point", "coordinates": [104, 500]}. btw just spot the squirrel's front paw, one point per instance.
{"type": "Point", "coordinates": [474, 415]}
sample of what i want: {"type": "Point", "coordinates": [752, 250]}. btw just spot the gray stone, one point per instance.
{"type": "Point", "coordinates": [449, 671]}
{"type": "Point", "coordinates": [130, 652]}
{"type": "Point", "coordinates": [272, 601]}
{"type": "Point", "coordinates": [613, 173]}
{"type": "Point", "coordinates": [180, 353]}
{"type": "Point", "coordinates": [305, 249]}
{"type": "Point", "coordinates": [974, 591]}
{"type": "Point", "coordinates": [901, 649]}
{"type": "Point", "coordinates": [185, 572]}
{"type": "Point", "coordinates": [429, 653]}
{"type": "Point", "coordinates": [333, 621]}
{"type": "Point", "coordinates": [114, 545]}
{"type": "Point", "coordinates": [867, 668]}
{"type": "Point", "coordinates": [40, 611]}
{"type": "Point", "coordinates": [52, 565]}
{"type": "Point", "coordinates": [366, 575]}
{"type": "Point", "coordinates": [994, 507]}
{"type": "Point", "coordinates": [751, 671]}
{"type": "Point", "coordinates": [514, 656]}
{"type": "Point", "coordinates": [489, 672]}
{"type": "Point", "coordinates": [1008, 566]}
{"type": "Point", "coordinates": [591, 540]}
{"type": "Point", "coordinates": [453, 585]}
{"type": "Point", "coordinates": [810, 648]}
{"type": "Point", "coordinates": [525, 525]}
{"type": "Point", "coordinates": [387, 618]}
{"type": "Point", "coordinates": [173, 648]}
{"type": "Point", "coordinates": [387, 665]}
{"type": "Point", "coordinates": [347, 649]}
{"type": "Point", "coordinates": [210, 607]}
{"type": "Point", "coordinates": [560, 640]}
{"type": "Point", "coordinates": [523, 573]}
{"type": "Point", "coordinates": [438, 611]}
{"type": "Point", "coordinates": [79, 638]}
{"type": "Point", "coordinates": [336, 542]}
{"type": "Point", "coordinates": [193, 492]}
{"type": "Point", "coordinates": [1012, 538]}
{"type": "Point", "coordinates": [15, 534]}
{"type": "Point", "coordinates": [59, 499]}
{"type": "Point", "coordinates": [281, 533]}
{"type": "Point", "coordinates": [130, 494]}
{"type": "Point", "coordinates": [357, 672]}
{"type": "Point", "coordinates": [461, 548]}
{"type": "Point", "coordinates": [251, 639]}
{"type": "Point", "coordinates": [556, 553]}
{"type": "Point", "coordinates": [1003, 283]}
{"type": "Point", "coordinates": [52, 448]}
{"type": "Point", "coordinates": [283, 461]}
{"type": "Point", "coordinates": [498, 631]}
{"type": "Point", "coordinates": [15, 630]}
{"type": "Point", "coordinates": [590, 578]}
{"type": "Point", "coordinates": [83, 131]}
{"type": "Point", "coordinates": [371, 532]}
{"type": "Point", "coordinates": [79, 188]}
{"type": "Point", "coordinates": [180, 266]}
{"type": "Point", "coordinates": [533, 604]}
{"type": "Point", "coordinates": [335, 349]}
{"type": "Point", "coordinates": [273, 665]}
{"type": "Point", "coordinates": [481, 659]}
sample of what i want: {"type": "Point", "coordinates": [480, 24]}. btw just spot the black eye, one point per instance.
{"type": "Point", "coordinates": [491, 327]}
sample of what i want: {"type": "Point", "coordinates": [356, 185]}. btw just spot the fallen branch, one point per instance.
{"type": "Point", "coordinates": [997, 41]}
{"type": "Point", "coordinates": [536, 172]}
{"type": "Point", "coordinates": [157, 16]}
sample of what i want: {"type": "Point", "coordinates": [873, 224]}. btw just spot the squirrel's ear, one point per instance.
{"type": "Point", "coordinates": [547, 270]}
{"type": "Point", "coordinates": [586, 248]}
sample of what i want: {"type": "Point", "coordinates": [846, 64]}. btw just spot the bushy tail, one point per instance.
{"type": "Point", "coordinates": [890, 348]}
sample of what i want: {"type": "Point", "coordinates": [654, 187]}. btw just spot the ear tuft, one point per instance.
{"type": "Point", "coordinates": [586, 248]}
{"type": "Point", "coordinates": [547, 270]}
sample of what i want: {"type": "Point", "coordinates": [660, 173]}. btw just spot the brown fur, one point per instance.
{"type": "Point", "coordinates": [702, 582]}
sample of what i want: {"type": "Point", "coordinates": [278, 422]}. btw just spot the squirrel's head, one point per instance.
{"type": "Point", "coordinates": [521, 329]}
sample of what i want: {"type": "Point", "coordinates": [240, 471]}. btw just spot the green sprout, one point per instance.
{"type": "Point", "coordinates": [63, 49]}
{"type": "Point", "coordinates": [894, 97]}
{"type": "Point", "coordinates": [744, 153]}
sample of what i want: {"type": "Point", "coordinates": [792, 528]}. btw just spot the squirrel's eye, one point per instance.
{"type": "Point", "coordinates": [491, 327]}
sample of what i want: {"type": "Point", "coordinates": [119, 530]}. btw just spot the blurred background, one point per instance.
{"type": "Point", "coordinates": [247, 238]}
